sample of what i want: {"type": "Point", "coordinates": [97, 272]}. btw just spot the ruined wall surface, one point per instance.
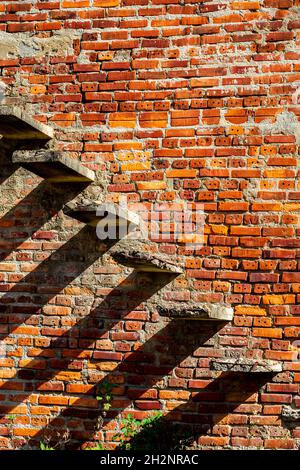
{"type": "Point", "coordinates": [168, 101]}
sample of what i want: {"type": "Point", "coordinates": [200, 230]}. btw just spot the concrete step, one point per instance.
{"type": "Point", "coordinates": [246, 365]}
{"type": "Point", "coordinates": [16, 125]}
{"type": "Point", "coordinates": [142, 257]}
{"type": "Point", "coordinates": [204, 312]}
{"type": "Point", "coordinates": [95, 213]}
{"type": "Point", "coordinates": [54, 166]}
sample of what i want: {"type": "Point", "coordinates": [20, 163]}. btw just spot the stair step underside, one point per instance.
{"type": "Point", "coordinates": [211, 312]}
{"type": "Point", "coordinates": [93, 213]}
{"type": "Point", "coordinates": [54, 166]}
{"type": "Point", "coordinates": [146, 261]}
{"type": "Point", "coordinates": [246, 365]}
{"type": "Point", "coordinates": [17, 125]}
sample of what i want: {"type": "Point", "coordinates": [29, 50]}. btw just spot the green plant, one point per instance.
{"type": "Point", "coordinates": [151, 434]}
{"type": "Point", "coordinates": [104, 395]}
{"type": "Point", "coordinates": [131, 428]}
{"type": "Point", "coordinates": [55, 439]}
{"type": "Point", "coordinates": [10, 428]}
{"type": "Point", "coordinates": [44, 446]}
{"type": "Point", "coordinates": [98, 446]}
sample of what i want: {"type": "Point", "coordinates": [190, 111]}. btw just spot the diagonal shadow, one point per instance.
{"type": "Point", "coordinates": [8, 147]}
{"type": "Point", "coordinates": [121, 301]}
{"type": "Point", "coordinates": [27, 298]}
{"type": "Point", "coordinates": [192, 421]}
{"type": "Point", "coordinates": [141, 370]}
{"type": "Point", "coordinates": [196, 421]}
{"type": "Point", "coordinates": [32, 212]}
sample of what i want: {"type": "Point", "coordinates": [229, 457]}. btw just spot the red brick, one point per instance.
{"type": "Point", "coordinates": [135, 94]}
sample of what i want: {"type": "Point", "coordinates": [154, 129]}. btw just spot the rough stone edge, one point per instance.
{"type": "Point", "coordinates": [207, 311]}
{"type": "Point", "coordinates": [30, 157]}
{"type": "Point", "coordinates": [290, 414]}
{"type": "Point", "coordinates": [109, 207]}
{"type": "Point", "coordinates": [143, 255]}
{"type": "Point", "coordinates": [246, 365]}
{"type": "Point", "coordinates": [138, 260]}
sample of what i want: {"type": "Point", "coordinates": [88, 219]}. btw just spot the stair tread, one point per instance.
{"type": "Point", "coordinates": [93, 212]}
{"type": "Point", "coordinates": [246, 365]}
{"type": "Point", "coordinates": [54, 166]}
{"type": "Point", "coordinates": [211, 312]}
{"type": "Point", "coordinates": [16, 124]}
{"type": "Point", "coordinates": [134, 254]}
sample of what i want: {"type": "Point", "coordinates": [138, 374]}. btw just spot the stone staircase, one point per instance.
{"type": "Point", "coordinates": [27, 139]}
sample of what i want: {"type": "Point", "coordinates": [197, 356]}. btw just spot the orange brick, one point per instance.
{"type": "Point", "coordinates": [7, 373]}
{"type": "Point", "coordinates": [282, 355]}
{"type": "Point", "coordinates": [24, 431]}
{"type": "Point", "coordinates": [262, 321]}
{"type": "Point", "coordinates": [266, 206]}
{"type": "Point", "coordinates": [279, 173]}
{"type": "Point", "coordinates": [76, 4]}
{"type": "Point", "coordinates": [122, 120]}
{"type": "Point", "coordinates": [107, 3]}
{"type": "Point", "coordinates": [233, 206]}
{"type": "Point", "coordinates": [181, 173]}
{"type": "Point", "coordinates": [64, 117]}
{"type": "Point", "coordinates": [236, 130]}
{"type": "Point", "coordinates": [253, 311]}
{"type": "Point", "coordinates": [291, 206]}
{"type": "Point", "coordinates": [174, 394]}
{"type": "Point", "coordinates": [26, 330]}
{"type": "Point", "coordinates": [67, 375]}
{"type": "Point", "coordinates": [245, 5]}
{"type": "Point", "coordinates": [38, 89]}
{"type": "Point", "coordinates": [138, 166]}
{"type": "Point", "coordinates": [278, 299]}
{"type": "Point", "coordinates": [204, 82]}
{"type": "Point", "coordinates": [267, 332]}
{"type": "Point", "coordinates": [151, 185]}
{"type": "Point", "coordinates": [154, 119]}
{"type": "Point", "coordinates": [128, 146]}
{"type": "Point", "coordinates": [213, 441]}
{"type": "Point", "coordinates": [53, 400]}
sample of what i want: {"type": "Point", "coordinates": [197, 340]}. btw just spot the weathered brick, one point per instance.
{"type": "Point", "coordinates": [167, 103]}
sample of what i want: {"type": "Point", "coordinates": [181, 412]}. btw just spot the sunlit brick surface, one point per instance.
{"type": "Point", "coordinates": [167, 101]}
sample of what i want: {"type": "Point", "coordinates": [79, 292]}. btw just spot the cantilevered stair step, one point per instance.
{"type": "Point", "coordinates": [246, 365]}
{"type": "Point", "coordinates": [134, 254]}
{"type": "Point", "coordinates": [204, 312]}
{"type": "Point", "coordinates": [54, 166]}
{"type": "Point", "coordinates": [94, 213]}
{"type": "Point", "coordinates": [17, 125]}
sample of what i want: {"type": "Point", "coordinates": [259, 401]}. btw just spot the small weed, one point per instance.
{"type": "Point", "coordinates": [104, 395]}
{"type": "Point", "coordinates": [151, 434]}
{"type": "Point", "coordinates": [44, 446]}
{"type": "Point", "coordinates": [98, 446]}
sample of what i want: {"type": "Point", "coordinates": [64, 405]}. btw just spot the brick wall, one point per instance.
{"type": "Point", "coordinates": [166, 100]}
